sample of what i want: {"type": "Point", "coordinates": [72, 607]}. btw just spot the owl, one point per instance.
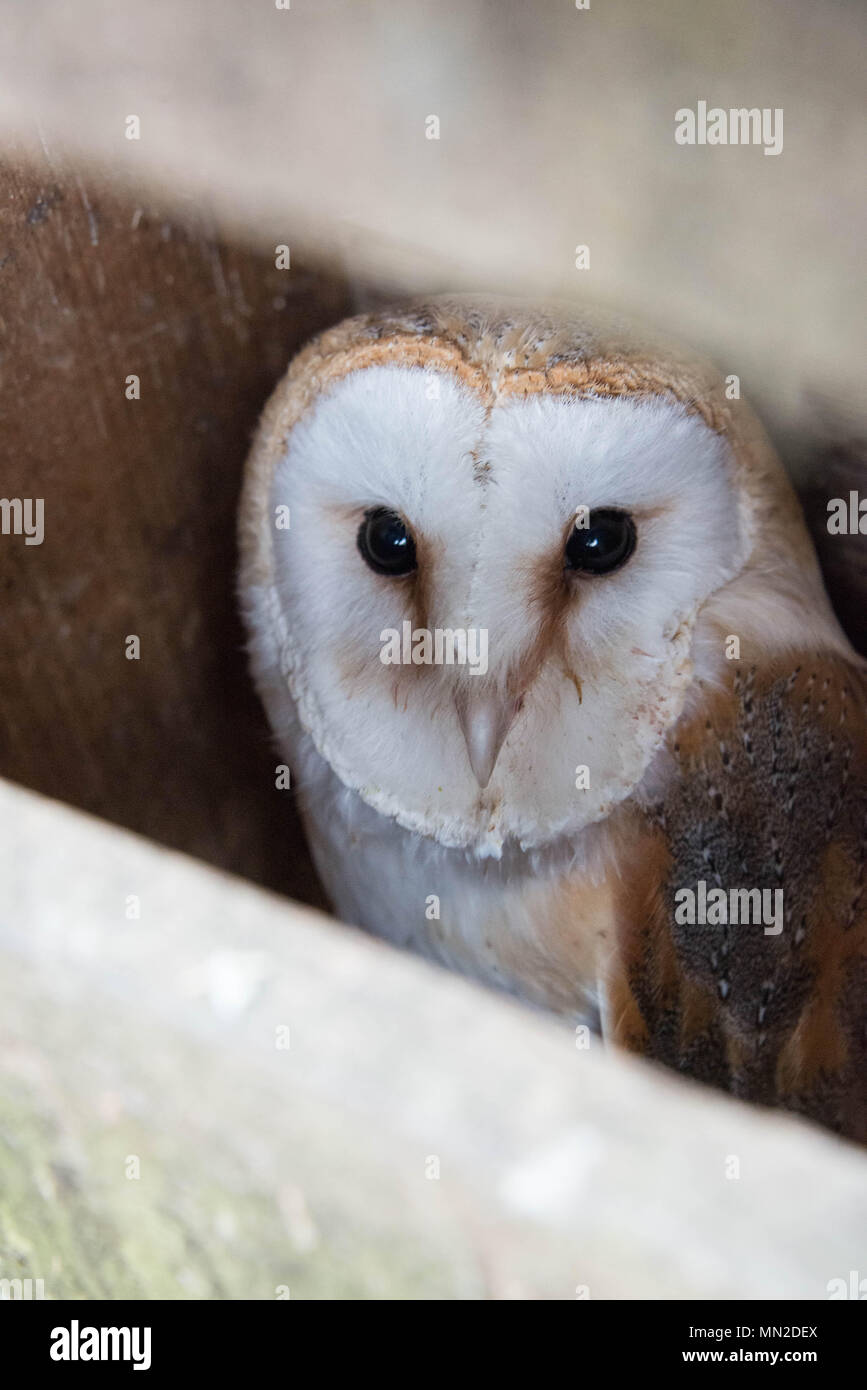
{"type": "Point", "coordinates": [541, 635]}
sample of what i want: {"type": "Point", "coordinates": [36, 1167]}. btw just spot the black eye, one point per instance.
{"type": "Point", "coordinates": [603, 544]}
{"type": "Point", "coordinates": [386, 543]}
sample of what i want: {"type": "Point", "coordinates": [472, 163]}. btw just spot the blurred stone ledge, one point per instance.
{"type": "Point", "coordinates": [558, 127]}
{"type": "Point", "coordinates": [156, 1046]}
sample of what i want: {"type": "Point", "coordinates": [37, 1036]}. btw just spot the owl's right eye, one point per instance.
{"type": "Point", "coordinates": [386, 542]}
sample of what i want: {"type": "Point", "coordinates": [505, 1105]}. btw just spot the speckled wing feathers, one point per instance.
{"type": "Point", "coordinates": [770, 793]}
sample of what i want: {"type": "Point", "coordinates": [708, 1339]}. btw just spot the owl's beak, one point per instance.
{"type": "Point", "coordinates": [485, 716]}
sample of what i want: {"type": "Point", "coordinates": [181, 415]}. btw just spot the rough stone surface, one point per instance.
{"type": "Point", "coordinates": [308, 1167]}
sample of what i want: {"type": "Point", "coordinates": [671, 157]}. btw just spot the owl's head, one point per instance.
{"type": "Point", "coordinates": [476, 544]}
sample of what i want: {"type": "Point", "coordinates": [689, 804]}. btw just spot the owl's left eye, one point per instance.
{"type": "Point", "coordinates": [604, 544]}
{"type": "Point", "coordinates": [386, 542]}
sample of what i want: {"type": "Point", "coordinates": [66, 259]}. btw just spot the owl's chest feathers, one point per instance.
{"type": "Point", "coordinates": [532, 925]}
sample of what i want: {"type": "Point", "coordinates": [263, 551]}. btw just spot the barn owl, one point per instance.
{"type": "Point", "coordinates": [646, 809]}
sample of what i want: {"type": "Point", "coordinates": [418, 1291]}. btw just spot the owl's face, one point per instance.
{"type": "Point", "coordinates": [419, 504]}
